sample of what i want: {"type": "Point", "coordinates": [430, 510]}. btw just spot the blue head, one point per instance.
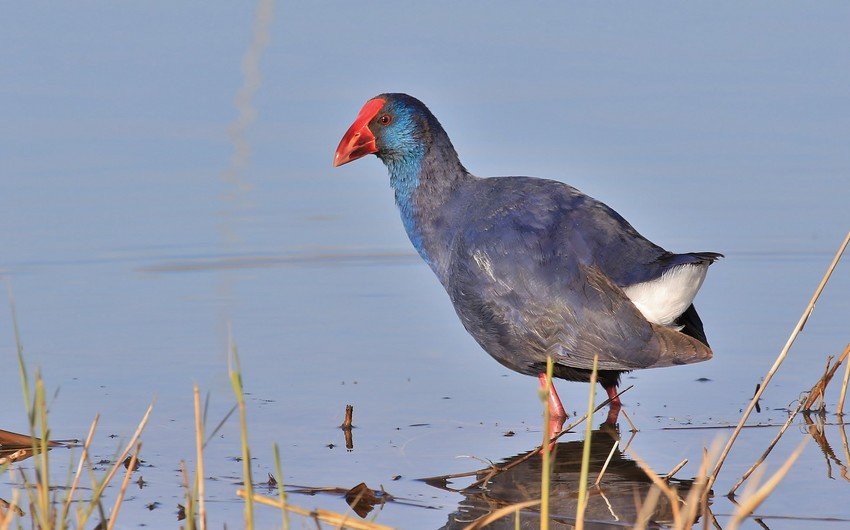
{"type": "Point", "coordinates": [395, 127]}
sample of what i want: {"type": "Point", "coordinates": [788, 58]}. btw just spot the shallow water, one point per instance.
{"type": "Point", "coordinates": [132, 258]}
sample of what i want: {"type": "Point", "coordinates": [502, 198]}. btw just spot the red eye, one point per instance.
{"type": "Point", "coordinates": [385, 119]}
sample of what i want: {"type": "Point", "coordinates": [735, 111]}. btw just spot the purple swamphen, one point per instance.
{"type": "Point", "coordinates": [534, 267]}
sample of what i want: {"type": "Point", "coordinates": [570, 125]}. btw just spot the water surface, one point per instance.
{"type": "Point", "coordinates": [134, 250]}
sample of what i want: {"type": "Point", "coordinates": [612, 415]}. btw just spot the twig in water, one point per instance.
{"type": "Point", "coordinates": [628, 419]}
{"type": "Point", "coordinates": [607, 461]}
{"type": "Point", "coordinates": [346, 427]}
{"type": "Point", "coordinates": [349, 414]}
{"type": "Point", "coordinates": [767, 451]}
{"type": "Point", "coordinates": [752, 502]}
{"type": "Point", "coordinates": [675, 470]}
{"type": "Point", "coordinates": [776, 364]}
{"type": "Point", "coordinates": [819, 389]}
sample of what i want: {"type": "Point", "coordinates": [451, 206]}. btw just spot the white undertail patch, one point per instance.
{"type": "Point", "coordinates": [663, 299]}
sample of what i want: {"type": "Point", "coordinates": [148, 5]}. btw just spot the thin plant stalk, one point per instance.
{"type": "Point", "coordinates": [632, 429]}
{"type": "Point", "coordinates": [647, 507]}
{"type": "Point", "coordinates": [669, 492]}
{"type": "Point", "coordinates": [280, 491]}
{"type": "Point", "coordinates": [101, 487]}
{"type": "Point", "coordinates": [11, 510]}
{"type": "Point", "coordinates": [83, 457]}
{"type": "Point", "coordinates": [776, 364]}
{"type": "Point", "coordinates": [236, 382]}
{"type": "Point", "coordinates": [585, 455]}
{"type": "Point", "coordinates": [693, 501]}
{"type": "Point", "coordinates": [676, 469]}
{"type": "Point", "coordinates": [46, 512]}
{"type": "Point", "coordinates": [31, 404]}
{"type": "Point", "coordinates": [752, 502]}
{"type": "Point", "coordinates": [607, 461]}
{"type": "Point", "coordinates": [767, 451]}
{"type": "Point", "coordinates": [120, 498]}
{"type": "Point", "coordinates": [191, 495]}
{"type": "Point", "coordinates": [199, 450]}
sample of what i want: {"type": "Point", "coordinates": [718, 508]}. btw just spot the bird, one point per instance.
{"type": "Point", "coordinates": [535, 268]}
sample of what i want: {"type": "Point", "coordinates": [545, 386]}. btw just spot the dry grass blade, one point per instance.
{"type": "Point", "coordinates": [647, 508]}
{"type": "Point", "coordinates": [238, 390]}
{"type": "Point", "coordinates": [665, 488]}
{"type": "Point", "coordinates": [585, 455]}
{"type": "Point", "coordinates": [675, 470]}
{"type": "Point", "coordinates": [10, 511]}
{"type": "Point", "coordinates": [752, 502]}
{"type": "Point", "coordinates": [492, 517]}
{"type": "Point", "coordinates": [336, 519]}
{"type": "Point", "coordinates": [98, 492]}
{"type": "Point", "coordinates": [120, 498]}
{"type": "Point", "coordinates": [607, 461]}
{"type": "Point", "coordinates": [628, 419]}
{"type": "Point", "coordinates": [199, 450]}
{"type": "Point", "coordinates": [188, 512]}
{"type": "Point", "coordinates": [83, 457]}
{"type": "Point", "coordinates": [280, 491]}
{"type": "Point", "coordinates": [692, 502]}
{"type": "Point", "coordinates": [777, 363]}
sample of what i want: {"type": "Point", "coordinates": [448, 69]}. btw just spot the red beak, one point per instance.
{"type": "Point", "coordinates": [358, 141]}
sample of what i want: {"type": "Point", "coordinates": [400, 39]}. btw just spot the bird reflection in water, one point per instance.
{"type": "Point", "coordinates": [614, 503]}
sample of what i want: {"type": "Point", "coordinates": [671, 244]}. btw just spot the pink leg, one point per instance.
{"type": "Point", "coordinates": [614, 406]}
{"type": "Point", "coordinates": [556, 409]}
{"type": "Point", "coordinates": [557, 415]}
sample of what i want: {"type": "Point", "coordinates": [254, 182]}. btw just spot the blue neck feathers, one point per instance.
{"type": "Point", "coordinates": [404, 179]}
